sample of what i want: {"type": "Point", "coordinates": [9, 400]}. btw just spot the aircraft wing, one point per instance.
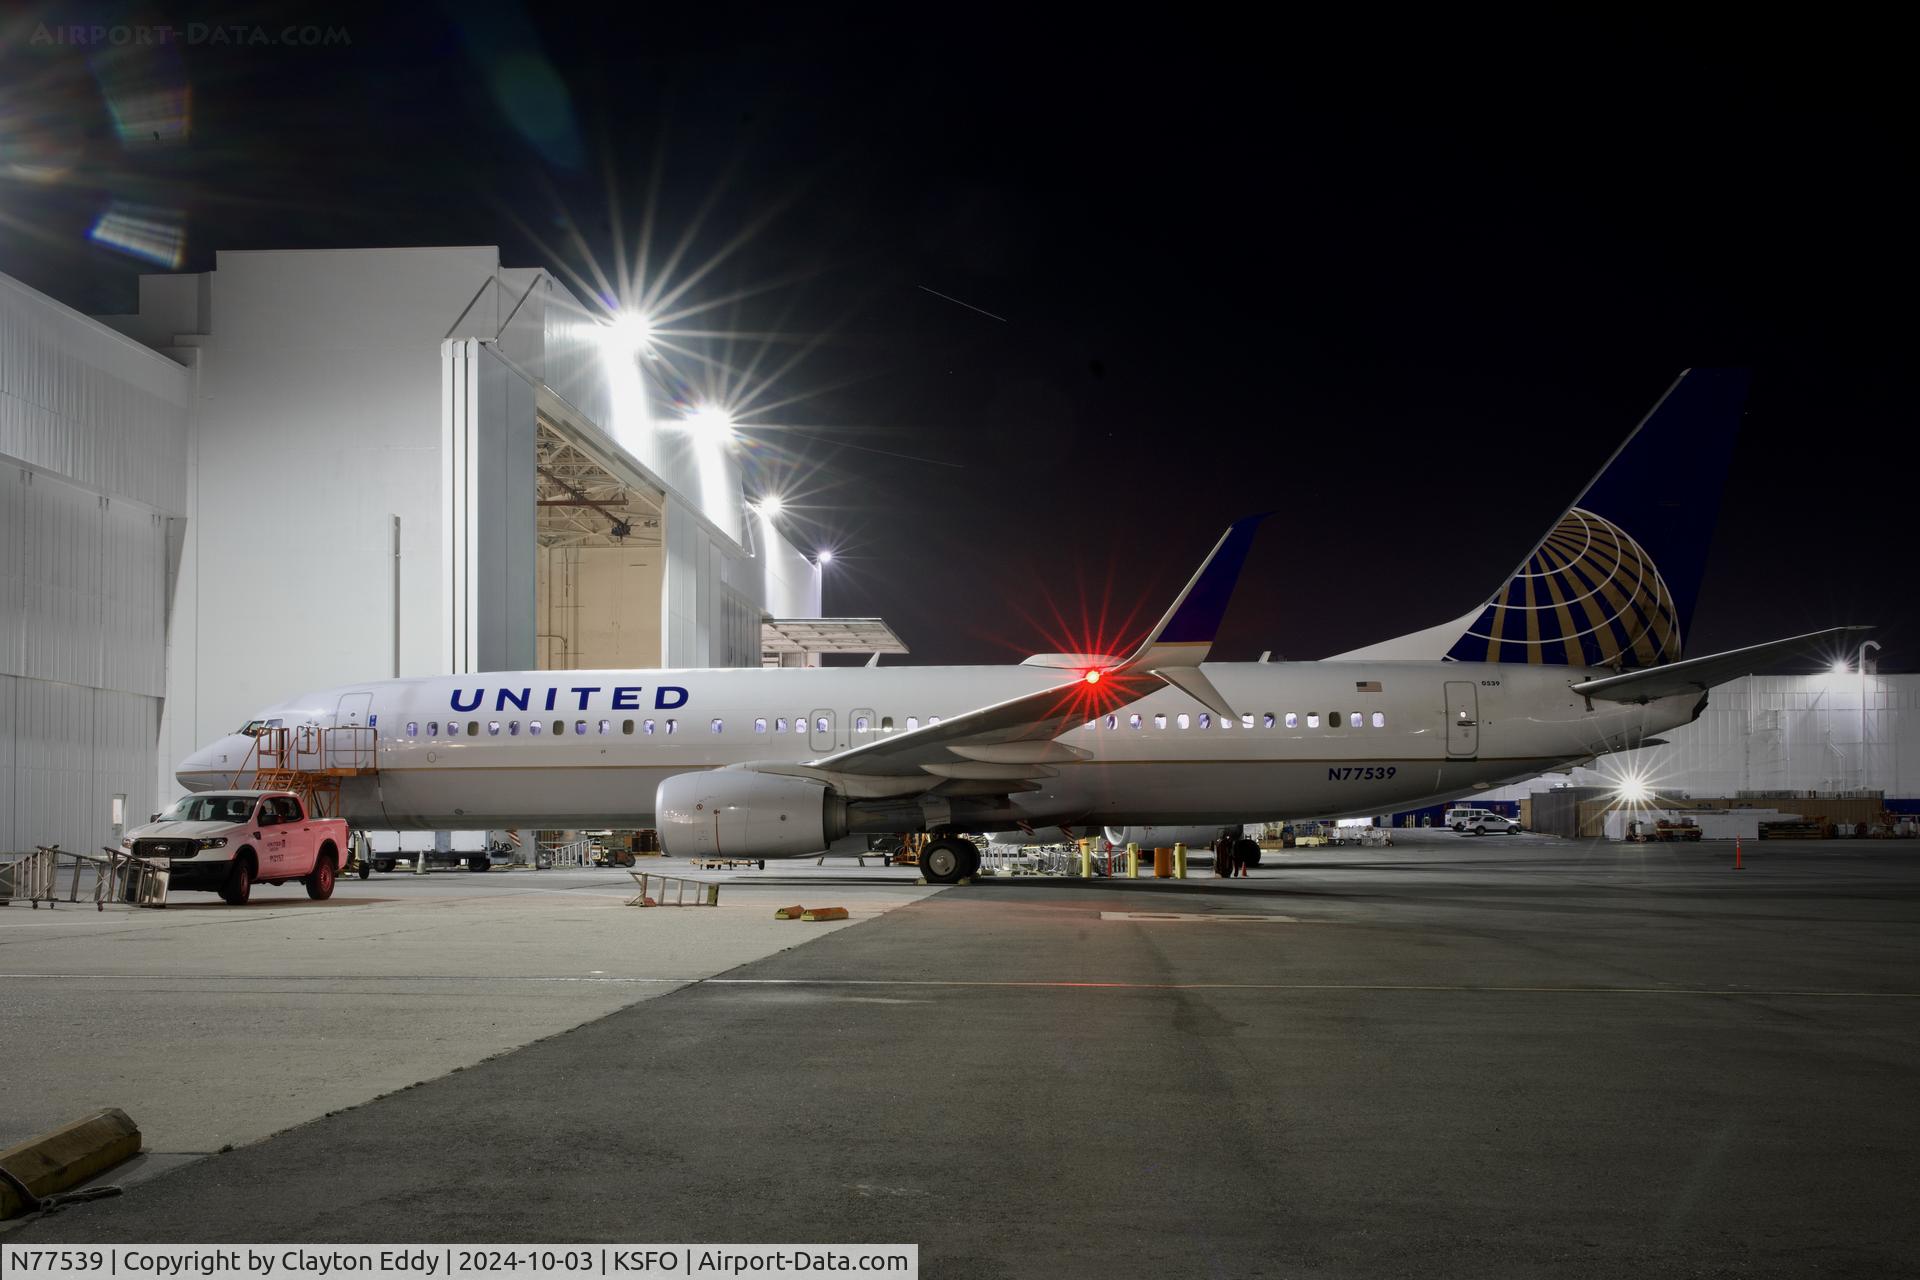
{"type": "Point", "coordinates": [998, 748]}
{"type": "Point", "coordinates": [1693, 675]}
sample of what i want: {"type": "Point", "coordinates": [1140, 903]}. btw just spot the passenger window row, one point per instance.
{"type": "Point", "coordinates": [1207, 720]}
{"type": "Point", "coordinates": [582, 728]}
{"type": "Point", "coordinates": [534, 728]}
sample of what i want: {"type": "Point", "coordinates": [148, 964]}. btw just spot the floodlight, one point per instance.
{"type": "Point", "coordinates": [628, 331]}
{"type": "Point", "coordinates": [711, 421]}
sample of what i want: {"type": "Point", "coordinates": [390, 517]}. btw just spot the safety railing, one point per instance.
{"type": "Point", "coordinates": [1039, 860]}
{"type": "Point", "coordinates": [306, 748]}
{"type": "Point", "coordinates": [108, 876]}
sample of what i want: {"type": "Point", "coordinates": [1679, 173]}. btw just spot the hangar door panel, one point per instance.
{"type": "Point", "coordinates": [1463, 718]}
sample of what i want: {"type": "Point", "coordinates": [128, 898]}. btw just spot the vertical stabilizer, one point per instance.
{"type": "Point", "coordinates": [1613, 583]}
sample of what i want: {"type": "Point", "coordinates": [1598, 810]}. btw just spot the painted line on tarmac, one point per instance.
{"type": "Point", "coordinates": [985, 984]}
{"type": "Point", "coordinates": [326, 977]}
{"type": "Point", "coordinates": [1298, 986]}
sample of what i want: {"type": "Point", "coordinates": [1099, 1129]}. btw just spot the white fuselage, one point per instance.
{"type": "Point", "coordinates": [463, 751]}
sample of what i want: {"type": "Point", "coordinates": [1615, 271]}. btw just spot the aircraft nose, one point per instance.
{"type": "Point", "coordinates": [215, 765]}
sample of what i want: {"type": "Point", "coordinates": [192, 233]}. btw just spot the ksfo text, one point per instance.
{"type": "Point", "coordinates": [723, 1260]}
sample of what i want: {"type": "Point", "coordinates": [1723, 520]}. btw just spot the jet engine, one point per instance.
{"type": "Point", "coordinates": [736, 813]}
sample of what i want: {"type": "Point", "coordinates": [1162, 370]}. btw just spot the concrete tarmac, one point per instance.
{"type": "Point", "coordinates": [1449, 1058]}
{"type": "Point", "coordinates": [214, 1025]}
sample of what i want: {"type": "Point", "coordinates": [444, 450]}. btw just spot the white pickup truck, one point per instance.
{"type": "Point", "coordinates": [227, 841]}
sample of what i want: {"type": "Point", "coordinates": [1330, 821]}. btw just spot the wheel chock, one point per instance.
{"type": "Point", "coordinates": [816, 914]}
{"type": "Point", "coordinates": [53, 1162]}
{"type": "Point", "coordinates": [789, 913]}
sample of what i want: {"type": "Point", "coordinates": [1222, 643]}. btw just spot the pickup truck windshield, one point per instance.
{"type": "Point", "coordinates": [209, 809]}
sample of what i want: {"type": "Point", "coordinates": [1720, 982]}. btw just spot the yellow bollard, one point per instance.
{"type": "Point", "coordinates": [1086, 859]}
{"type": "Point", "coordinates": [1179, 861]}
{"type": "Point", "coordinates": [1133, 861]}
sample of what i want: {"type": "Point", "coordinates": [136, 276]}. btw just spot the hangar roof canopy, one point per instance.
{"type": "Point", "coordinates": [825, 635]}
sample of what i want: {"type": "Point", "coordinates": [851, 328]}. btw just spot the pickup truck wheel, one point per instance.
{"type": "Point", "coordinates": [320, 881]}
{"type": "Point", "coordinates": [239, 885]}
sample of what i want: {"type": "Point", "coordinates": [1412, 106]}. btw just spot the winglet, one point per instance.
{"type": "Point", "coordinates": [1174, 649]}
{"type": "Point", "coordinates": [1185, 635]}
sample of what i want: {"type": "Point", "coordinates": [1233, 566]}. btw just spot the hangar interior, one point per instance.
{"type": "Point", "coordinates": [309, 468]}
{"type": "Point", "coordinates": [600, 565]}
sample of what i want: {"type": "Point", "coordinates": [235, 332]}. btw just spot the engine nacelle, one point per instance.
{"type": "Point", "coordinates": [734, 813]}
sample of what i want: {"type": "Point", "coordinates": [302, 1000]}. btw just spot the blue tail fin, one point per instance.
{"type": "Point", "coordinates": [1614, 582]}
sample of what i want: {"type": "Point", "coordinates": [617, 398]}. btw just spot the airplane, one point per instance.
{"type": "Point", "coordinates": [1577, 654]}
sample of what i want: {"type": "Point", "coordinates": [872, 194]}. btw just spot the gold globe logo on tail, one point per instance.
{"type": "Point", "coordinates": [1589, 596]}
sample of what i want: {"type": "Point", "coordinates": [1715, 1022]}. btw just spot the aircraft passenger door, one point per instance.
{"type": "Point", "coordinates": [354, 712]}
{"type": "Point", "coordinates": [820, 737]}
{"type": "Point", "coordinates": [1463, 718]}
{"type": "Point", "coordinates": [864, 726]}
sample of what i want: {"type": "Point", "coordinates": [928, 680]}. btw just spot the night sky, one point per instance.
{"type": "Point", "coordinates": [1409, 283]}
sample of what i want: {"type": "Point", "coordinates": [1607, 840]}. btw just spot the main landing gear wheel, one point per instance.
{"type": "Point", "coordinates": [948, 861]}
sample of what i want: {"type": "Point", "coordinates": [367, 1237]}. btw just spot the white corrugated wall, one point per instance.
{"type": "Point", "coordinates": [84, 402]}
{"type": "Point", "coordinates": [1791, 733]}
{"type": "Point", "coordinates": [93, 446]}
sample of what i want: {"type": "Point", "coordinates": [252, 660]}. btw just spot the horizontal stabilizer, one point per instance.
{"type": "Point", "coordinates": [1696, 674]}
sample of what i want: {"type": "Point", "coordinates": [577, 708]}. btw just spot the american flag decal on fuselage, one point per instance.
{"type": "Point", "coordinates": [1589, 596]}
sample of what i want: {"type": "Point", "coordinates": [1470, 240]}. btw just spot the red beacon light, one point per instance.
{"type": "Point", "coordinates": [1093, 676]}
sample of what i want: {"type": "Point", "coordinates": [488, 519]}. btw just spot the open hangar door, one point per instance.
{"type": "Point", "coordinates": [599, 569]}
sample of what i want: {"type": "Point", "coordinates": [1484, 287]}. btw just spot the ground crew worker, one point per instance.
{"type": "Point", "coordinates": [1223, 855]}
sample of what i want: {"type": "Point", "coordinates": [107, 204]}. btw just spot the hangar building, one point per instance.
{"type": "Point", "coordinates": [307, 468]}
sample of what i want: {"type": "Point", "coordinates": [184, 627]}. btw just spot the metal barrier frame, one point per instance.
{"type": "Point", "coordinates": [117, 877]}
